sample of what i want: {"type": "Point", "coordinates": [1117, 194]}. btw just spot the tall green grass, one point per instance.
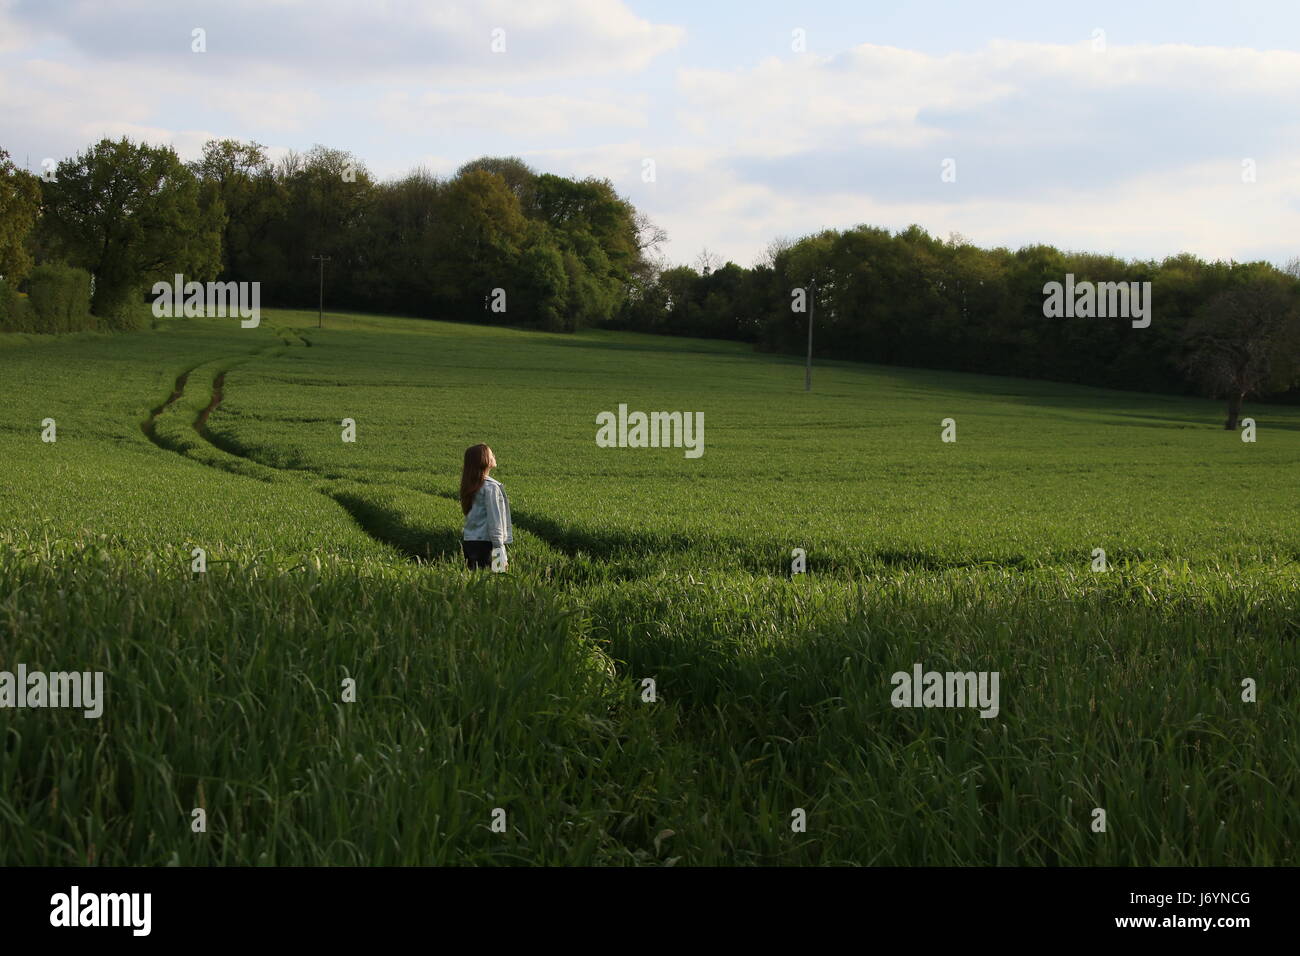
{"type": "Point", "coordinates": [527, 691]}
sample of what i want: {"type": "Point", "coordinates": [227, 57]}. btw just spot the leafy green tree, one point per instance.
{"type": "Point", "coordinates": [240, 177]}
{"type": "Point", "coordinates": [130, 214]}
{"type": "Point", "coordinates": [520, 178]}
{"type": "Point", "coordinates": [599, 234]}
{"type": "Point", "coordinates": [975, 296]}
{"type": "Point", "coordinates": [544, 282]}
{"type": "Point", "coordinates": [1246, 342]}
{"type": "Point", "coordinates": [328, 197]}
{"type": "Point", "coordinates": [680, 286]}
{"type": "Point", "coordinates": [481, 233]}
{"type": "Point", "coordinates": [20, 202]}
{"type": "Point", "coordinates": [400, 235]}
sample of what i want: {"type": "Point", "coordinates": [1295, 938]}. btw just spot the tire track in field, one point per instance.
{"type": "Point", "coordinates": [371, 519]}
{"type": "Point", "coordinates": [149, 425]}
{"type": "Point", "coordinates": [201, 423]}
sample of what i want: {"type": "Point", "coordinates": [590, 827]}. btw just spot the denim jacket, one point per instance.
{"type": "Point", "coordinates": [489, 515]}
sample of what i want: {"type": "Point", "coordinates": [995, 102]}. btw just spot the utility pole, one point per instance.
{"type": "Point", "coordinates": [320, 319]}
{"type": "Point", "coordinates": [812, 308]}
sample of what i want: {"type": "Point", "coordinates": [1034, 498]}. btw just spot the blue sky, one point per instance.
{"type": "Point", "coordinates": [1175, 129]}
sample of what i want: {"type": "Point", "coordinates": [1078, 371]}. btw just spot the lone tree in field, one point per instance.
{"type": "Point", "coordinates": [1245, 342]}
{"type": "Point", "coordinates": [20, 200]}
{"type": "Point", "coordinates": [130, 213]}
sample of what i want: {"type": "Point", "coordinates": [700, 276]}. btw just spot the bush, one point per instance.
{"type": "Point", "coordinates": [12, 308]}
{"type": "Point", "coordinates": [59, 296]}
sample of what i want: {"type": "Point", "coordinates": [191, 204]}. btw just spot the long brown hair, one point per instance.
{"type": "Point", "coordinates": [471, 478]}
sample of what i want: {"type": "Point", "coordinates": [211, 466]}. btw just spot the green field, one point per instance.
{"type": "Point", "coordinates": [523, 691]}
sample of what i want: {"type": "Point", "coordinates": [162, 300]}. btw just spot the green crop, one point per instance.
{"type": "Point", "coordinates": [333, 564]}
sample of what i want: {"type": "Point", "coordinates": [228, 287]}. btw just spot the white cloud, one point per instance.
{"type": "Point", "coordinates": [346, 42]}
{"type": "Point", "coordinates": [882, 95]}
{"type": "Point", "coordinates": [497, 110]}
{"type": "Point", "coordinates": [262, 102]}
{"type": "Point", "coordinates": [1136, 149]}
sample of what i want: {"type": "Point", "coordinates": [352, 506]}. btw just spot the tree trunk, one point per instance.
{"type": "Point", "coordinates": [1234, 411]}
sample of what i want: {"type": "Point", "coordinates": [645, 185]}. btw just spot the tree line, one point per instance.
{"type": "Point", "coordinates": [1227, 329]}
{"type": "Point", "coordinates": [500, 242]}
{"type": "Point", "coordinates": [563, 251]}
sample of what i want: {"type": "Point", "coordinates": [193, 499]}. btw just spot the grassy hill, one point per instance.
{"type": "Point", "coordinates": [330, 561]}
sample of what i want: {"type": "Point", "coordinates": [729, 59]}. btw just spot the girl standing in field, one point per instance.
{"type": "Point", "coordinates": [487, 511]}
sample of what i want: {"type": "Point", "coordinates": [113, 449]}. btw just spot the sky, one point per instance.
{"type": "Point", "coordinates": [1140, 129]}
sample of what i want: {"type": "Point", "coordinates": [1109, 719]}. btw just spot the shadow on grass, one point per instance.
{"type": "Point", "coordinates": [386, 525]}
